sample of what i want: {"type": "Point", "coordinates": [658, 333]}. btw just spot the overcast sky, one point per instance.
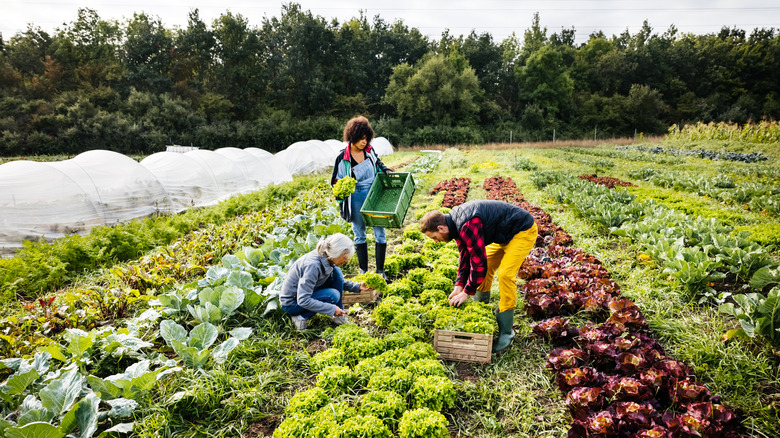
{"type": "Point", "coordinates": [500, 18]}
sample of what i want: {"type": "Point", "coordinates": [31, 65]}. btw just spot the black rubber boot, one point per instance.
{"type": "Point", "coordinates": [361, 250]}
{"type": "Point", "coordinates": [381, 250]}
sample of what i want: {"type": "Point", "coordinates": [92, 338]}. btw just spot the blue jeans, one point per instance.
{"type": "Point", "coordinates": [358, 226]}
{"type": "Point", "coordinates": [330, 293]}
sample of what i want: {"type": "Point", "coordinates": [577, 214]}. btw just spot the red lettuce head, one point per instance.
{"type": "Point", "coordinates": [579, 376]}
{"type": "Point", "coordinates": [627, 389]}
{"type": "Point", "coordinates": [687, 391]}
{"type": "Point", "coordinates": [583, 401]}
{"type": "Point", "coordinates": [554, 330]}
{"type": "Point", "coordinates": [600, 424]}
{"type": "Point", "coordinates": [634, 416]}
{"type": "Point", "coordinates": [561, 358]}
{"type": "Point", "coordinates": [655, 432]}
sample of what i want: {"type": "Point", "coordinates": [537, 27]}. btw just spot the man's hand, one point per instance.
{"type": "Point", "coordinates": [364, 287]}
{"type": "Point", "coordinates": [456, 291]}
{"type": "Point", "coordinates": [458, 299]}
{"type": "Point", "coordinates": [339, 312]}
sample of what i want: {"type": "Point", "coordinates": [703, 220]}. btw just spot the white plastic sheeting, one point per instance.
{"type": "Point", "coordinates": [37, 199]}
{"type": "Point", "coordinates": [314, 155]}
{"type": "Point", "coordinates": [53, 199]}
{"type": "Point", "coordinates": [189, 182]}
{"type": "Point", "coordinates": [305, 157]}
{"type": "Point", "coordinates": [382, 146]}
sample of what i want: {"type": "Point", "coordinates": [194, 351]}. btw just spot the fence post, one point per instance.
{"type": "Point", "coordinates": [510, 136]}
{"type": "Point", "coordinates": [553, 135]}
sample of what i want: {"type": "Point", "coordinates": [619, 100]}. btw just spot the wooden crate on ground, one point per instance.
{"type": "Point", "coordinates": [463, 346]}
{"type": "Point", "coordinates": [368, 296]}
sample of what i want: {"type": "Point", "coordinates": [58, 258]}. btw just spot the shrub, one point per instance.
{"type": "Point", "coordinates": [423, 423]}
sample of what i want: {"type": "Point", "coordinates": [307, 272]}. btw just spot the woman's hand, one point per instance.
{"type": "Point", "coordinates": [339, 312]}
{"type": "Point", "coordinates": [364, 287]}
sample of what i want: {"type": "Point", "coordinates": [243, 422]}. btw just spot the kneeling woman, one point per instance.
{"type": "Point", "coordinates": [315, 283]}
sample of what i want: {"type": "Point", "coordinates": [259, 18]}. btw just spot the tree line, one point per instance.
{"type": "Point", "coordinates": [135, 86]}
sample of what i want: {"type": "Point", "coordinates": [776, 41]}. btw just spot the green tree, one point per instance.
{"type": "Point", "coordinates": [435, 91]}
{"type": "Point", "coordinates": [146, 52]}
{"type": "Point", "coordinates": [545, 81]}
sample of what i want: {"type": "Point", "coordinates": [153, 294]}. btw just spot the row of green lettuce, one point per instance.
{"type": "Point", "coordinates": [391, 384]}
{"type": "Point", "coordinates": [696, 252]}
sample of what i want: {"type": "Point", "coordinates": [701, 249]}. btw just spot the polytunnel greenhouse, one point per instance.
{"type": "Point", "coordinates": [48, 200]}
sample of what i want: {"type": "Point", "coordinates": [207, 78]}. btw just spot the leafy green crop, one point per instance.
{"type": "Point", "coordinates": [423, 423]}
{"type": "Point", "coordinates": [433, 392]}
{"type": "Point", "coordinates": [344, 187]}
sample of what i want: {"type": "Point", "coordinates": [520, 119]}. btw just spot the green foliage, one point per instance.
{"type": "Point", "coordinates": [434, 297]}
{"type": "Point", "coordinates": [427, 367]}
{"type": "Point", "coordinates": [391, 379]}
{"type": "Point", "coordinates": [344, 187]}
{"type": "Point", "coordinates": [307, 402]}
{"type": "Point", "coordinates": [435, 91]}
{"type": "Point", "coordinates": [412, 232]}
{"type": "Point", "coordinates": [422, 423]}
{"type": "Point", "coordinates": [372, 280]}
{"type": "Point", "coordinates": [757, 315]}
{"type": "Point", "coordinates": [473, 317]}
{"type": "Point", "coordinates": [436, 281]}
{"type": "Point", "coordinates": [331, 356]}
{"type": "Point", "coordinates": [433, 392]}
{"type": "Point", "coordinates": [363, 426]}
{"type": "Point", "coordinates": [388, 309]}
{"type": "Point", "coordinates": [336, 379]}
{"type": "Point", "coordinates": [386, 405]}
{"type": "Point", "coordinates": [401, 288]}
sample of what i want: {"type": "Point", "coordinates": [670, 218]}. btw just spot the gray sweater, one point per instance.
{"type": "Point", "coordinates": [307, 274]}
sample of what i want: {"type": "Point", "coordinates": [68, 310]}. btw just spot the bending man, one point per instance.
{"type": "Point", "coordinates": [493, 238]}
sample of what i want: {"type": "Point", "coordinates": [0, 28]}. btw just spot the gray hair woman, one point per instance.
{"type": "Point", "coordinates": [315, 283]}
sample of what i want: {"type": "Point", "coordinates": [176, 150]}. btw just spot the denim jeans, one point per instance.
{"type": "Point", "coordinates": [358, 226]}
{"type": "Point", "coordinates": [330, 293]}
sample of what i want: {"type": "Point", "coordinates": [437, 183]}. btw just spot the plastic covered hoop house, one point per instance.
{"type": "Point", "coordinates": [48, 200]}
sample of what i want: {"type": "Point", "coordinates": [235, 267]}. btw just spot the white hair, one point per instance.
{"type": "Point", "coordinates": [335, 245]}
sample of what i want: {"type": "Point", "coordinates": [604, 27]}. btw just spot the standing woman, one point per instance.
{"type": "Point", "coordinates": [360, 161]}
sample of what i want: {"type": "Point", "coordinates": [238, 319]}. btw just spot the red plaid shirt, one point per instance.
{"type": "Point", "coordinates": [473, 258]}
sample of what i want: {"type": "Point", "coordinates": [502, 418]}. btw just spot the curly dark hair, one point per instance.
{"type": "Point", "coordinates": [357, 128]}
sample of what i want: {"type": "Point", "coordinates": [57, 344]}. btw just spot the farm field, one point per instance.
{"type": "Point", "coordinates": [187, 341]}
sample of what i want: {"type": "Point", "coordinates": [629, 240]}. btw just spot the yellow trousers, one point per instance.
{"type": "Point", "coordinates": [504, 261]}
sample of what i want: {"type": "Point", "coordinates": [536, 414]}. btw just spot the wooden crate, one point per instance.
{"type": "Point", "coordinates": [463, 346]}
{"type": "Point", "coordinates": [369, 296]}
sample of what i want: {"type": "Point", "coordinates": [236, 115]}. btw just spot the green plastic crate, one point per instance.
{"type": "Point", "coordinates": [388, 200]}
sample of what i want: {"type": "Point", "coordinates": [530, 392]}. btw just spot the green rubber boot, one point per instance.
{"type": "Point", "coordinates": [482, 297]}
{"type": "Point", "coordinates": [505, 332]}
